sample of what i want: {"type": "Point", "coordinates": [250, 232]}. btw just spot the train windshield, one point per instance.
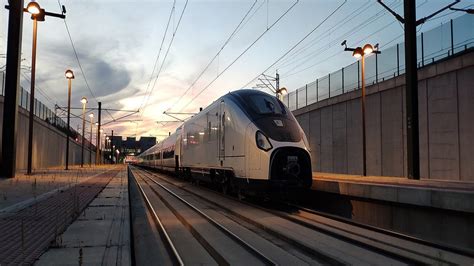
{"type": "Point", "coordinates": [265, 105]}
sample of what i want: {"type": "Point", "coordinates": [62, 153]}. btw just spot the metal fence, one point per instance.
{"type": "Point", "coordinates": [433, 45]}
{"type": "Point", "coordinates": [44, 113]}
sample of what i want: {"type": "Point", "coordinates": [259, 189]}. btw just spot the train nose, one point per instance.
{"type": "Point", "coordinates": [292, 168]}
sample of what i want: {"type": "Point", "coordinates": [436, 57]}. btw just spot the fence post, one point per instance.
{"type": "Point", "coordinates": [398, 59]}
{"type": "Point", "coordinates": [422, 51]}
{"type": "Point", "coordinates": [329, 85]}
{"type": "Point", "coordinates": [452, 37]}
{"type": "Point", "coordinates": [317, 90]}
{"type": "Point", "coordinates": [376, 68]}
{"type": "Point", "coordinates": [21, 97]}
{"type": "Point", "coordinates": [306, 90]}
{"type": "Point", "coordinates": [296, 99]}
{"type": "Point", "coordinates": [342, 80]}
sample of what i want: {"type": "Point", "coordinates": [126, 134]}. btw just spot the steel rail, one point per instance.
{"type": "Point", "coordinates": [302, 247]}
{"type": "Point", "coordinates": [218, 258]}
{"type": "Point", "coordinates": [393, 255]}
{"type": "Point", "coordinates": [239, 240]}
{"type": "Point", "coordinates": [456, 250]}
{"type": "Point", "coordinates": [453, 249]}
{"type": "Point", "coordinates": [171, 248]}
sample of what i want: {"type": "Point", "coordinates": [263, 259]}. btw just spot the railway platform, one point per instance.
{"type": "Point", "coordinates": [447, 195]}
{"type": "Point", "coordinates": [36, 209]}
{"type": "Point", "coordinates": [439, 211]}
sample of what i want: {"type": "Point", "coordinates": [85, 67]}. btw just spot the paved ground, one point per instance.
{"type": "Point", "coordinates": [101, 234]}
{"type": "Point", "coordinates": [35, 210]}
{"type": "Point", "coordinates": [18, 192]}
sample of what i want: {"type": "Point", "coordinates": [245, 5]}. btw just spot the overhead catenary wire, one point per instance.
{"type": "Point", "coordinates": [166, 55]}
{"type": "Point", "coordinates": [241, 54]}
{"type": "Point", "coordinates": [355, 29]}
{"type": "Point", "coordinates": [77, 58]}
{"type": "Point", "coordinates": [158, 54]}
{"type": "Point", "coordinates": [216, 55]}
{"type": "Point", "coordinates": [349, 33]}
{"type": "Point", "coordinates": [289, 73]}
{"type": "Point", "coordinates": [303, 48]}
{"type": "Point", "coordinates": [298, 43]}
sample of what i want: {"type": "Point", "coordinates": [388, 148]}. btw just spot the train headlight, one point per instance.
{"type": "Point", "coordinates": [262, 141]}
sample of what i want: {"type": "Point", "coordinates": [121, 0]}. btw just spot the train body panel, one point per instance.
{"type": "Point", "coordinates": [246, 137]}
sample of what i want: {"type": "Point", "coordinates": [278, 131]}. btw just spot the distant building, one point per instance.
{"type": "Point", "coordinates": [130, 146]}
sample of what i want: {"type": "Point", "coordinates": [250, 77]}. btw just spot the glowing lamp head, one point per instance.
{"type": "Point", "coordinates": [69, 74]}
{"type": "Point", "coordinates": [33, 8]}
{"type": "Point", "coordinates": [368, 49]}
{"type": "Point", "coordinates": [84, 100]}
{"type": "Point", "coordinates": [283, 91]}
{"type": "Point", "coordinates": [358, 53]}
{"type": "Point", "coordinates": [91, 116]}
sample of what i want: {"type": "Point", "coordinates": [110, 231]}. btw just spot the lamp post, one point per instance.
{"type": "Point", "coordinates": [83, 101]}
{"type": "Point", "coordinates": [90, 140]}
{"type": "Point", "coordinates": [106, 147]}
{"type": "Point", "coordinates": [361, 53]}
{"type": "Point", "coordinates": [99, 151]}
{"type": "Point", "coordinates": [37, 14]}
{"type": "Point", "coordinates": [69, 76]}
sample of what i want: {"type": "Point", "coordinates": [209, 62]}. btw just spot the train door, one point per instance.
{"type": "Point", "coordinates": [222, 133]}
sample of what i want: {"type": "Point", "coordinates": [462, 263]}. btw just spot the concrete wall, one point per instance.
{"type": "Point", "coordinates": [49, 144]}
{"type": "Point", "coordinates": [446, 115]}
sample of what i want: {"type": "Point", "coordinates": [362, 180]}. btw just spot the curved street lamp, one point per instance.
{"type": "Point", "coordinates": [36, 14]}
{"type": "Point", "coordinates": [69, 76]}
{"type": "Point", "coordinates": [84, 102]}
{"type": "Point", "coordinates": [361, 53]}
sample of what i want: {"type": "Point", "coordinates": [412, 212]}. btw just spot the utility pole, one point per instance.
{"type": "Point", "coordinates": [411, 81]}
{"type": "Point", "coordinates": [97, 145]}
{"type": "Point", "coordinates": [111, 147]}
{"type": "Point", "coordinates": [277, 81]}
{"type": "Point", "coordinates": [411, 91]}
{"type": "Point", "coordinates": [12, 83]}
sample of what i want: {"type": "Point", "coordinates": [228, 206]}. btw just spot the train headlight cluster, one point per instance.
{"type": "Point", "coordinates": [263, 142]}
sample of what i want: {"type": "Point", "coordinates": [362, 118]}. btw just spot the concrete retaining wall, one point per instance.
{"type": "Point", "coordinates": [49, 144]}
{"type": "Point", "coordinates": [446, 115]}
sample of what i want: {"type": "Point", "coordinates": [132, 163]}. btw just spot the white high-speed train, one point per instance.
{"type": "Point", "coordinates": [247, 140]}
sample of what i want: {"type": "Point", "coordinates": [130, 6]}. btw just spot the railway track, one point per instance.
{"type": "Point", "coordinates": [303, 235]}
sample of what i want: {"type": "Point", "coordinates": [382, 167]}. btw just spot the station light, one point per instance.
{"type": "Point", "coordinates": [69, 74]}
{"type": "Point", "coordinates": [91, 115]}
{"type": "Point", "coordinates": [368, 49]}
{"type": "Point", "coordinates": [33, 8]}
{"type": "Point", "coordinates": [84, 100]}
{"type": "Point", "coordinates": [358, 53]}
{"type": "Point", "coordinates": [282, 91]}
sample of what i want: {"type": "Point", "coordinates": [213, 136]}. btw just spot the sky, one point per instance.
{"type": "Point", "coordinates": [118, 46]}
